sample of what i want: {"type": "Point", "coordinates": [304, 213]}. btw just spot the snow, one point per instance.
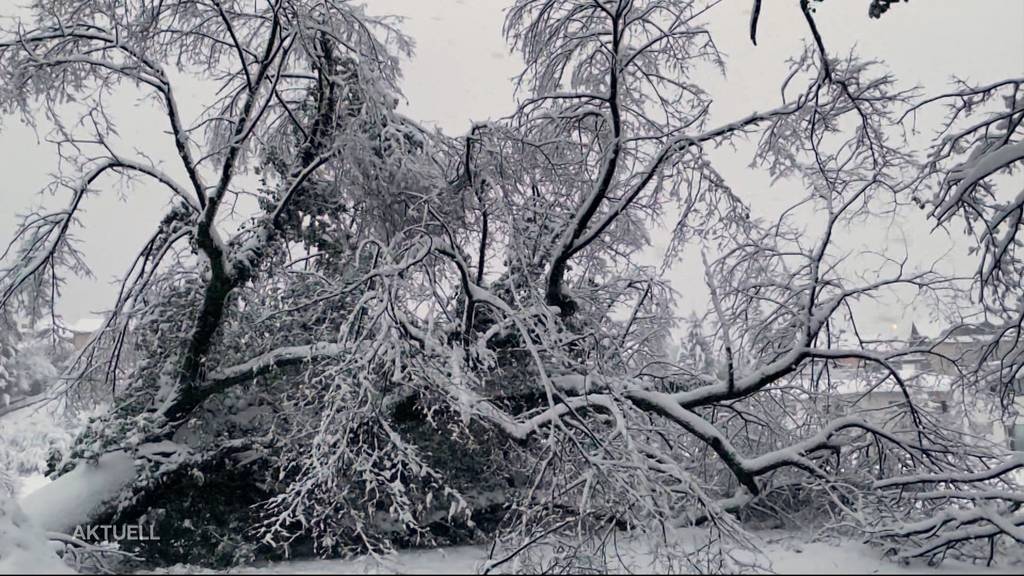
{"type": "Point", "coordinates": [782, 552]}
{"type": "Point", "coordinates": [24, 548]}
{"type": "Point", "coordinates": [1012, 463]}
{"type": "Point", "coordinates": [72, 499]}
{"type": "Point", "coordinates": [31, 483]}
{"type": "Point", "coordinates": [86, 325]}
{"type": "Point", "coordinates": [978, 168]}
{"type": "Point", "coordinates": [452, 560]}
{"type": "Point", "coordinates": [28, 435]}
{"type": "Point", "coordinates": [794, 557]}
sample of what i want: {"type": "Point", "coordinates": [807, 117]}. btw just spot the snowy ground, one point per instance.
{"type": "Point", "coordinates": [31, 483]}
{"type": "Point", "coordinates": [778, 551]}
{"type": "Point", "coordinates": [781, 553]}
{"type": "Point", "coordinates": [24, 548]}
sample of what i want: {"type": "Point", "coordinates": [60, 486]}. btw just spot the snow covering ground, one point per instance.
{"type": "Point", "coordinates": [24, 547]}
{"type": "Point", "coordinates": [30, 484]}
{"type": "Point", "coordinates": [53, 505]}
{"type": "Point", "coordinates": [61, 505]}
{"type": "Point", "coordinates": [27, 438]}
{"type": "Point", "coordinates": [56, 506]}
{"type": "Point", "coordinates": [41, 505]}
{"type": "Point", "coordinates": [780, 552]}
{"type": "Point", "coordinates": [28, 506]}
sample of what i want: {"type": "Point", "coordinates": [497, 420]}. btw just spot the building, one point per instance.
{"type": "Point", "coordinates": [932, 381]}
{"type": "Point", "coordinates": [83, 330]}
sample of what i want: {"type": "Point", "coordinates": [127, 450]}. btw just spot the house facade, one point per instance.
{"type": "Point", "coordinates": [932, 380]}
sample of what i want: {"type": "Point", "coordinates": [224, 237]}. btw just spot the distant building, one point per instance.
{"type": "Point", "coordinates": [83, 330]}
{"type": "Point", "coordinates": [931, 378]}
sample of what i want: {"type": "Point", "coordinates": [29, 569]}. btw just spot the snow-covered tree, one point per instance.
{"type": "Point", "coordinates": [415, 337]}
{"type": "Point", "coordinates": [971, 176]}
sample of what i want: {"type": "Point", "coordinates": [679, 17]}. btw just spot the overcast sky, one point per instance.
{"type": "Point", "coordinates": [462, 72]}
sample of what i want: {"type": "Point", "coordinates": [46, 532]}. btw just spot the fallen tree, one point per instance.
{"type": "Point", "coordinates": [466, 344]}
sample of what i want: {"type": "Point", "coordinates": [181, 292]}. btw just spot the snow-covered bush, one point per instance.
{"type": "Point", "coordinates": [34, 439]}
{"type": "Point", "coordinates": [30, 359]}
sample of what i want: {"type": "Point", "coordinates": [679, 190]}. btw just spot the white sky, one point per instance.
{"type": "Point", "coordinates": [462, 72]}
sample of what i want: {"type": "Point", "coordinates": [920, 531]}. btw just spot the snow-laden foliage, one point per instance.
{"type": "Point", "coordinates": [32, 442]}
{"type": "Point", "coordinates": [416, 338]}
{"type": "Point", "coordinates": [30, 362]}
{"type": "Point", "coordinates": [971, 177]}
{"type": "Point", "coordinates": [33, 433]}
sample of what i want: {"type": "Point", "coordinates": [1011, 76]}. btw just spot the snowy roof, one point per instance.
{"type": "Point", "coordinates": [86, 325]}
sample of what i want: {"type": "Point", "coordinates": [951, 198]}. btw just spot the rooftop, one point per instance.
{"type": "Point", "coordinates": [86, 325]}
